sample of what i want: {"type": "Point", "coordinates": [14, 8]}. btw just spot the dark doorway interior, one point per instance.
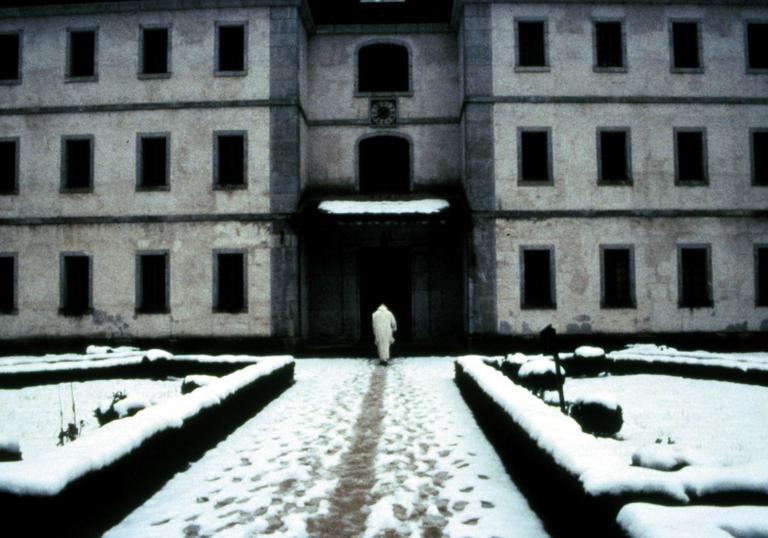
{"type": "Point", "coordinates": [385, 165]}
{"type": "Point", "coordinates": [385, 277]}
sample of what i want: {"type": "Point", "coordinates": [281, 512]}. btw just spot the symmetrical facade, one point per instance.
{"type": "Point", "coordinates": [166, 170]}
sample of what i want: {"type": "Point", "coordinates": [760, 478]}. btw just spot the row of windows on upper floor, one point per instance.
{"type": "Point", "coordinates": [384, 160]}
{"type": "Point", "coordinates": [537, 279]}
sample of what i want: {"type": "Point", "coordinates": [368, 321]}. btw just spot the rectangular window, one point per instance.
{"type": "Point", "coordinates": [759, 149]}
{"type": "Point", "coordinates": [757, 45]}
{"type": "Point", "coordinates": [7, 284]}
{"type": "Point", "coordinates": [534, 155]}
{"type": "Point", "coordinates": [618, 277]}
{"type": "Point", "coordinates": [686, 46]}
{"type": "Point", "coordinates": [152, 283]}
{"type": "Point", "coordinates": [231, 46]}
{"type": "Point", "coordinates": [155, 52]}
{"type": "Point", "coordinates": [230, 293]}
{"type": "Point", "coordinates": [152, 161]}
{"type": "Point", "coordinates": [82, 55]}
{"type": "Point", "coordinates": [690, 157]}
{"type": "Point", "coordinates": [537, 278]}
{"type": "Point", "coordinates": [613, 156]}
{"type": "Point", "coordinates": [9, 166]}
{"type": "Point", "coordinates": [10, 57]}
{"type": "Point", "coordinates": [230, 156]}
{"type": "Point", "coordinates": [609, 45]}
{"type": "Point", "coordinates": [77, 163]}
{"type": "Point", "coordinates": [75, 284]}
{"type": "Point", "coordinates": [531, 44]}
{"type": "Point", "coordinates": [694, 274]}
{"type": "Point", "coordinates": [761, 276]}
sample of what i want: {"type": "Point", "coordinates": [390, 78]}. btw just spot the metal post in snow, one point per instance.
{"type": "Point", "coordinates": [549, 340]}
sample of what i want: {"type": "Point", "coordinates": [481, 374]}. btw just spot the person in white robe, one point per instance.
{"type": "Point", "coordinates": [384, 326]}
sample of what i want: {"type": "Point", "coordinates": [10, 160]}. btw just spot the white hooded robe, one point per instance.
{"type": "Point", "coordinates": [384, 325]}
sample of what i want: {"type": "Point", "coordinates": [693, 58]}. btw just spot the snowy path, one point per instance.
{"type": "Point", "coordinates": [352, 449]}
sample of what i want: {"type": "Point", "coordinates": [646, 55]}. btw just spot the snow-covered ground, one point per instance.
{"type": "Point", "coordinates": [640, 520]}
{"type": "Point", "coordinates": [286, 471]}
{"type": "Point", "coordinates": [652, 353]}
{"type": "Point", "coordinates": [32, 415]}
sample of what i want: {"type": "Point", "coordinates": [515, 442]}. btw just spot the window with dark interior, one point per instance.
{"type": "Point", "coordinates": [75, 284]}
{"type": "Point", "coordinates": [534, 155]}
{"type": "Point", "coordinates": [231, 47]}
{"type": "Point", "coordinates": [531, 44]}
{"type": "Point", "coordinates": [82, 54]}
{"type": "Point", "coordinates": [229, 286]}
{"type": "Point", "coordinates": [383, 67]}
{"type": "Point", "coordinates": [385, 165]}
{"type": "Point", "coordinates": [761, 276]}
{"type": "Point", "coordinates": [152, 285]}
{"type": "Point", "coordinates": [77, 165]}
{"type": "Point", "coordinates": [609, 45]}
{"type": "Point", "coordinates": [757, 45]}
{"type": "Point", "coordinates": [685, 45]}
{"type": "Point", "coordinates": [695, 283]}
{"type": "Point", "coordinates": [10, 57]}
{"type": "Point", "coordinates": [613, 156]}
{"type": "Point", "coordinates": [153, 161]}
{"type": "Point", "coordinates": [618, 278]}
{"type": "Point", "coordinates": [154, 51]}
{"type": "Point", "coordinates": [690, 157]}
{"type": "Point", "coordinates": [760, 157]}
{"type": "Point", "coordinates": [230, 160]}
{"type": "Point", "coordinates": [537, 278]}
{"type": "Point", "coordinates": [9, 166]}
{"type": "Point", "coordinates": [7, 284]}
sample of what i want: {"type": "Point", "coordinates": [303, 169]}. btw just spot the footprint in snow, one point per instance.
{"type": "Point", "coordinates": [472, 521]}
{"type": "Point", "coordinates": [487, 504]}
{"type": "Point", "coordinates": [483, 477]}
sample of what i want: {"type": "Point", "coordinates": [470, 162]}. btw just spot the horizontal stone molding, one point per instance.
{"type": "Point", "coordinates": [138, 107]}
{"type": "Point", "coordinates": [535, 214]}
{"type": "Point", "coordinates": [366, 122]}
{"type": "Point", "coordinates": [617, 100]}
{"type": "Point", "coordinates": [143, 219]}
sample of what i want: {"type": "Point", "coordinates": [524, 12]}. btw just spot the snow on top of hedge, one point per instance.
{"type": "Point", "coordinates": [352, 207]}
{"type": "Point", "coordinates": [654, 353]}
{"type": "Point", "coordinates": [600, 398]}
{"type": "Point", "coordinates": [51, 473]}
{"type": "Point", "coordinates": [642, 520]}
{"type": "Point", "coordinates": [601, 469]}
{"type": "Point", "coordinates": [589, 352]}
{"type": "Point", "coordinates": [537, 367]}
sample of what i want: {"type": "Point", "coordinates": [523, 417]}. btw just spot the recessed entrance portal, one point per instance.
{"type": "Point", "coordinates": [385, 277]}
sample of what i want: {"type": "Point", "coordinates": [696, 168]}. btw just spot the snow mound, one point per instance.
{"type": "Point", "coordinates": [9, 445]}
{"type": "Point", "coordinates": [520, 358]}
{"type": "Point", "coordinates": [604, 399]}
{"type": "Point", "coordinates": [641, 520]}
{"type": "Point", "coordinates": [661, 458]}
{"type": "Point", "coordinates": [155, 354]}
{"type": "Point", "coordinates": [589, 352]}
{"type": "Point", "coordinates": [130, 406]}
{"type": "Point", "coordinates": [193, 382]}
{"type": "Point", "coordinates": [341, 207]}
{"type": "Point", "coordinates": [100, 350]}
{"type": "Point", "coordinates": [537, 367]}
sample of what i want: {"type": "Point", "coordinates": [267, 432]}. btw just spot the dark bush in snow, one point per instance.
{"type": "Point", "coordinates": [9, 450]}
{"type": "Point", "coordinates": [192, 382]}
{"type": "Point", "coordinates": [539, 375]}
{"type": "Point", "coordinates": [120, 407]}
{"type": "Point", "coordinates": [598, 415]}
{"type": "Point", "coordinates": [587, 361]}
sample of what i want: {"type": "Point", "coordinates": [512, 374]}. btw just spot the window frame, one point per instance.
{"type": "Point", "coordinates": [215, 308]}
{"type": "Point", "coordinates": [699, 44]}
{"type": "Point", "coordinates": [139, 309]}
{"type": "Point", "coordinates": [707, 247]}
{"type": "Point", "coordinates": [756, 253]}
{"type": "Point", "coordinates": [20, 71]}
{"type": "Point", "coordinates": [63, 310]}
{"type": "Point", "coordinates": [14, 256]}
{"type": "Point", "coordinates": [17, 141]}
{"type": "Point", "coordinates": [217, 72]}
{"type": "Point", "coordinates": [629, 181]}
{"type": "Point", "coordinates": [217, 185]}
{"type": "Point", "coordinates": [624, 67]}
{"type": "Point", "coordinates": [550, 181]}
{"type": "Point", "coordinates": [524, 305]}
{"type": "Point", "coordinates": [752, 167]}
{"type": "Point", "coordinates": [704, 182]}
{"type": "Point", "coordinates": [381, 134]}
{"type": "Point", "coordinates": [360, 46]}
{"type": "Point", "coordinates": [141, 75]}
{"type": "Point", "coordinates": [632, 281]}
{"type": "Point", "coordinates": [140, 137]}
{"type": "Point", "coordinates": [752, 70]}
{"type": "Point", "coordinates": [532, 68]}
{"type": "Point", "coordinates": [68, 77]}
{"type": "Point", "coordinates": [63, 188]}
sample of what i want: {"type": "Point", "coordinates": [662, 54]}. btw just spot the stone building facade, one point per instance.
{"type": "Point", "coordinates": [166, 169]}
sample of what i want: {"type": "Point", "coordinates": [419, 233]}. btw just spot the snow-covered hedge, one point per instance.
{"type": "Point", "coordinates": [642, 520]}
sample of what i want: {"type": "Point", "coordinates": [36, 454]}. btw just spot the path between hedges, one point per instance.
{"type": "Point", "coordinates": [352, 449]}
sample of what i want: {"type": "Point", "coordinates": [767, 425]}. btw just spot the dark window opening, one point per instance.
{"type": "Point", "coordinates": [760, 158]}
{"type": "Point", "coordinates": [694, 278]}
{"type": "Point", "coordinates": [7, 285]}
{"type": "Point", "coordinates": [762, 276]}
{"type": "Point", "coordinates": [78, 164]}
{"type": "Point", "coordinates": [75, 296]}
{"type": "Point", "coordinates": [154, 55]}
{"type": "Point", "coordinates": [534, 155]}
{"type": "Point", "coordinates": [9, 57]}
{"type": "Point", "coordinates": [230, 160]}
{"type": "Point", "coordinates": [382, 68]}
{"type": "Point", "coordinates": [8, 166]}
{"type": "Point", "coordinates": [153, 167]}
{"type": "Point", "coordinates": [685, 45]}
{"type": "Point", "coordinates": [530, 44]}
{"type": "Point", "coordinates": [153, 289]}
{"type": "Point", "coordinates": [617, 278]}
{"type": "Point", "coordinates": [690, 157]}
{"type": "Point", "coordinates": [537, 279]}
{"type": "Point", "coordinates": [385, 165]}
{"type": "Point", "coordinates": [614, 165]}
{"type": "Point", "coordinates": [230, 282]}
{"type": "Point", "coordinates": [231, 53]}
{"type": "Point", "coordinates": [82, 53]}
{"type": "Point", "coordinates": [757, 45]}
{"type": "Point", "coordinates": [609, 45]}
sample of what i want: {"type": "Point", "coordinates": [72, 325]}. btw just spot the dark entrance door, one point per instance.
{"type": "Point", "coordinates": [385, 277]}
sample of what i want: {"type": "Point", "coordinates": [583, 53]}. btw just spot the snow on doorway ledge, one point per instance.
{"type": "Point", "coordinates": [353, 207]}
